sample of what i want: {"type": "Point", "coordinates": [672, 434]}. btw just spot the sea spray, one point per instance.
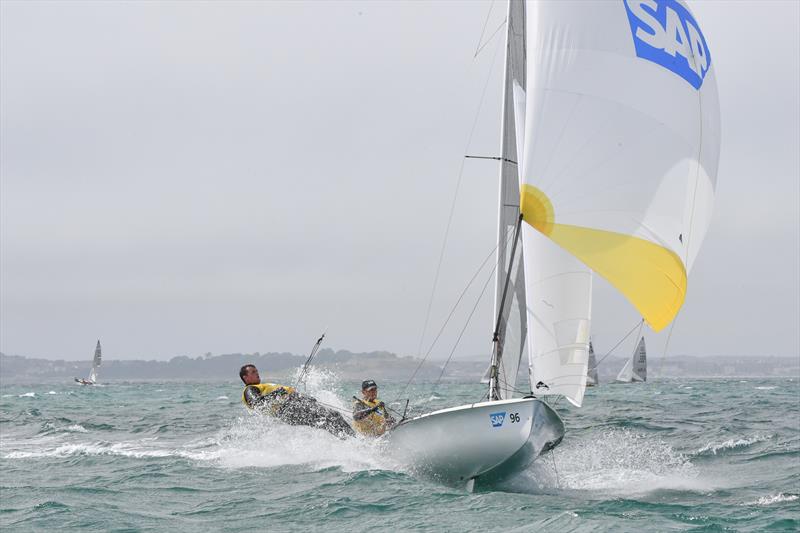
{"type": "Point", "coordinates": [613, 461]}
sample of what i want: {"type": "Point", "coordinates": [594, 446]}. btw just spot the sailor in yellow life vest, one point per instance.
{"type": "Point", "coordinates": [370, 414]}
{"type": "Point", "coordinates": [288, 405]}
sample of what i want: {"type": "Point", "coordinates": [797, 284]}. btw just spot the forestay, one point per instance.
{"type": "Point", "coordinates": [619, 165]}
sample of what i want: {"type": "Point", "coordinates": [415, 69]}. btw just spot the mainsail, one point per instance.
{"type": "Point", "coordinates": [635, 369]}
{"type": "Point", "coordinates": [640, 362]}
{"type": "Point", "coordinates": [509, 344]}
{"type": "Point", "coordinates": [96, 362]}
{"type": "Point", "coordinates": [618, 169]}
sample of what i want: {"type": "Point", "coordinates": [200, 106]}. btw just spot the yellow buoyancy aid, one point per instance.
{"type": "Point", "coordinates": [266, 388]}
{"type": "Point", "coordinates": [374, 424]}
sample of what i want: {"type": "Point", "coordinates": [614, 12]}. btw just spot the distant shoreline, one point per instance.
{"type": "Point", "coordinates": [381, 365]}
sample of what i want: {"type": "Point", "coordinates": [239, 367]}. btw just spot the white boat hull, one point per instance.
{"type": "Point", "coordinates": [493, 440]}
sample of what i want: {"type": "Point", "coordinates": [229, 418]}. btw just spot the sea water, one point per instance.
{"type": "Point", "coordinates": [676, 454]}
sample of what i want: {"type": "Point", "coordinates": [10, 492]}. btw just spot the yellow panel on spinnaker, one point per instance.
{"type": "Point", "coordinates": [650, 276]}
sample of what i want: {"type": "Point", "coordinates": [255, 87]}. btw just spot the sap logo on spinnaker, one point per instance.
{"type": "Point", "coordinates": [497, 419]}
{"type": "Point", "coordinates": [664, 32]}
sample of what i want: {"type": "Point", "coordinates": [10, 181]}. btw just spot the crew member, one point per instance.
{"type": "Point", "coordinates": [290, 406]}
{"type": "Point", "coordinates": [370, 414]}
{"type": "Point", "coordinates": [262, 395]}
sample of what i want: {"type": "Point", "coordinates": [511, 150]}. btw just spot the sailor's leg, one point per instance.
{"type": "Point", "coordinates": [330, 420]}
{"type": "Point", "coordinates": [306, 411]}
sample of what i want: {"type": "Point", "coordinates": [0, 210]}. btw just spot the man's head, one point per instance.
{"type": "Point", "coordinates": [249, 375]}
{"type": "Point", "coordinates": [369, 389]}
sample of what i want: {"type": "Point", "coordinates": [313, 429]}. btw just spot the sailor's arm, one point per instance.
{"type": "Point", "coordinates": [253, 397]}
{"type": "Point", "coordinates": [362, 410]}
{"type": "Point", "coordinates": [279, 390]}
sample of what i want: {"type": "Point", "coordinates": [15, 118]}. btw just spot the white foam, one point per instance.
{"type": "Point", "coordinates": [28, 395]}
{"type": "Point", "coordinates": [320, 383]}
{"type": "Point", "coordinates": [222, 397]}
{"type": "Point", "coordinates": [261, 441]}
{"type": "Point", "coordinates": [618, 462]}
{"type": "Point", "coordinates": [766, 388]}
{"type": "Point", "coordinates": [777, 498]}
{"type": "Point", "coordinates": [77, 428]}
{"type": "Point", "coordinates": [731, 444]}
{"type": "Point", "coordinates": [52, 392]}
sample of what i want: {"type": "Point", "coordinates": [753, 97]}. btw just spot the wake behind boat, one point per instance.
{"type": "Point", "coordinates": [92, 379]}
{"type": "Point", "coordinates": [608, 163]}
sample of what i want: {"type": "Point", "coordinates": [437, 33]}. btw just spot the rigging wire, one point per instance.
{"type": "Point", "coordinates": [450, 315]}
{"type": "Point", "coordinates": [639, 325]}
{"type": "Point", "coordinates": [666, 347]}
{"type": "Point", "coordinates": [453, 204]}
{"type": "Point", "coordinates": [553, 455]}
{"type": "Point", "coordinates": [477, 301]}
{"type": "Point", "coordinates": [478, 48]}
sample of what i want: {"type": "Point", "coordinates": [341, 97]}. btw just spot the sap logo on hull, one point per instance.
{"type": "Point", "coordinates": [497, 419]}
{"type": "Point", "coordinates": [664, 32]}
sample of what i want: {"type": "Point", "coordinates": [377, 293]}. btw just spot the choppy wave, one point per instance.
{"type": "Point", "coordinates": [627, 463]}
{"type": "Point", "coordinates": [731, 444]}
{"type": "Point", "coordinates": [776, 498]}
{"type": "Point", "coordinates": [123, 449]}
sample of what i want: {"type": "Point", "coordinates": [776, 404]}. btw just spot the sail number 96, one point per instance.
{"type": "Point", "coordinates": [513, 418]}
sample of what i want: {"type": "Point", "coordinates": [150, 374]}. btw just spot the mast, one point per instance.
{"type": "Point", "coordinates": [509, 283]}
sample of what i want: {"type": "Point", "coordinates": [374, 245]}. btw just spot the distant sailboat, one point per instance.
{"type": "Point", "coordinates": [98, 356]}
{"type": "Point", "coordinates": [591, 374]}
{"type": "Point", "coordinates": [635, 370]}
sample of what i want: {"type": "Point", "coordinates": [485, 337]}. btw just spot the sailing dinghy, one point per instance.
{"type": "Point", "coordinates": [92, 379]}
{"type": "Point", "coordinates": [609, 151]}
{"type": "Point", "coordinates": [635, 369]}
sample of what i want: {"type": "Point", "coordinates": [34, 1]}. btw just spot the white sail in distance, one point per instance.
{"type": "Point", "coordinates": [591, 373]}
{"type": "Point", "coordinates": [626, 374]}
{"type": "Point", "coordinates": [635, 369]}
{"type": "Point", "coordinates": [619, 166]}
{"type": "Point", "coordinates": [98, 357]}
{"type": "Point", "coordinates": [640, 362]}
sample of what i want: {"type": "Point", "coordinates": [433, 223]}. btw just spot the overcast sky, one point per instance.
{"type": "Point", "coordinates": [181, 178]}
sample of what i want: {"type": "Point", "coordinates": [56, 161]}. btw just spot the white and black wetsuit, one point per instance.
{"type": "Point", "coordinates": [298, 410]}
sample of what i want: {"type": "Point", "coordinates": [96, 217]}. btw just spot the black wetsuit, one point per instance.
{"type": "Point", "coordinates": [298, 410]}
